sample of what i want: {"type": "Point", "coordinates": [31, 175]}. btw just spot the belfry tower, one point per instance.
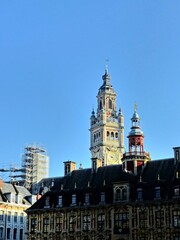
{"type": "Point", "coordinates": [106, 126]}
{"type": "Point", "coordinates": [136, 157]}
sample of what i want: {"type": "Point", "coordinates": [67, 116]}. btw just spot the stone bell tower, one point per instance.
{"type": "Point", "coordinates": [107, 126]}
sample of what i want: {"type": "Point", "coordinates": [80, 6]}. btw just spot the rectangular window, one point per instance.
{"type": "Point", "coordinates": [9, 216]}
{"type": "Point", "coordinates": [159, 218]}
{"type": "Point", "coordinates": [139, 194]}
{"type": "Point", "coordinates": [1, 215]}
{"type": "Point", "coordinates": [60, 201]}
{"type": "Point", "coordinates": [33, 224]}
{"type": "Point", "coordinates": [86, 223]}
{"type": "Point", "coordinates": [74, 199]}
{"type": "Point", "coordinates": [21, 218]}
{"type": "Point", "coordinates": [15, 234]}
{"type": "Point", "coordinates": [101, 222]}
{"type": "Point", "coordinates": [102, 197]}
{"type": "Point", "coordinates": [78, 221]}
{"type": "Point", "coordinates": [176, 219]}
{"type": "Point", "coordinates": [72, 223]}
{"type": "Point", "coordinates": [157, 192]}
{"type": "Point", "coordinates": [143, 219]}
{"type": "Point", "coordinates": [59, 223]}
{"type": "Point", "coordinates": [21, 234]}
{"type": "Point", "coordinates": [86, 198]}
{"type": "Point", "coordinates": [8, 233]}
{"type": "Point", "coordinates": [176, 191]}
{"type": "Point", "coordinates": [47, 202]}
{"type": "Point", "coordinates": [121, 223]}
{"type": "Point", "coordinates": [45, 225]}
{"type": "Point", "coordinates": [52, 223]}
{"type": "Point", "coordinates": [1, 233]}
{"type": "Point", "coordinates": [15, 217]}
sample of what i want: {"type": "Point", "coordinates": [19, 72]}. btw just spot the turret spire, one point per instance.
{"type": "Point", "coordinates": [136, 157]}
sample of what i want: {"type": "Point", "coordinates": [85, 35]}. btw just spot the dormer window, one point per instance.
{"type": "Point", "coordinates": [60, 201]}
{"type": "Point", "coordinates": [87, 199]}
{"type": "Point", "coordinates": [176, 191]}
{"type": "Point", "coordinates": [102, 197]}
{"type": "Point", "coordinates": [12, 196]}
{"type": "Point", "coordinates": [121, 193]}
{"type": "Point", "coordinates": [157, 193]}
{"type": "Point", "coordinates": [139, 194]}
{"type": "Point", "coordinates": [74, 199]}
{"type": "Point", "coordinates": [47, 202]}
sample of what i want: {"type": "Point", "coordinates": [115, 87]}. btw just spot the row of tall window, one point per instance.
{"type": "Point", "coordinates": [110, 104]}
{"type": "Point", "coordinates": [74, 200]}
{"type": "Point", "coordinates": [112, 135]}
{"type": "Point", "coordinates": [15, 233]}
{"type": "Point", "coordinates": [83, 222]}
{"type": "Point", "coordinates": [11, 217]}
{"type": "Point", "coordinates": [97, 137]}
{"type": "Point", "coordinates": [119, 221]}
{"type": "Point", "coordinates": [158, 218]}
{"type": "Point", "coordinates": [121, 193]}
{"type": "Point", "coordinates": [157, 193]}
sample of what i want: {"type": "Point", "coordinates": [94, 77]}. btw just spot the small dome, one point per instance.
{"type": "Point", "coordinates": [135, 116]}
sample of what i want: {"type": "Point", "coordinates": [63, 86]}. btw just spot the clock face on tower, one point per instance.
{"type": "Point", "coordinates": [113, 157]}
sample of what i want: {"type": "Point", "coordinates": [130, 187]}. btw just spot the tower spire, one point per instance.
{"type": "Point", "coordinates": [107, 127]}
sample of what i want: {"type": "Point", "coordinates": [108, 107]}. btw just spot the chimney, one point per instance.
{"type": "Point", "coordinates": [176, 154]}
{"type": "Point", "coordinates": [69, 166]}
{"type": "Point", "coordinates": [96, 163]}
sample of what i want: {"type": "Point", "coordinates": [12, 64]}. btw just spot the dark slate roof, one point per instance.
{"type": "Point", "coordinates": [159, 173]}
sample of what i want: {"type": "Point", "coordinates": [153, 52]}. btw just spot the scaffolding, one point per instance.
{"type": "Point", "coordinates": [35, 166]}
{"type": "Point", "coordinates": [35, 163]}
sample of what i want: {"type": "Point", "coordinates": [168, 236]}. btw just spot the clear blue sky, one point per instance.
{"type": "Point", "coordinates": [52, 57]}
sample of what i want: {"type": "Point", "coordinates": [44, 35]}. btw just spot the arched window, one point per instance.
{"type": "Point", "coordinates": [112, 135]}
{"type": "Point", "coordinates": [110, 103]}
{"type": "Point", "coordinates": [118, 194]}
{"type": "Point", "coordinates": [121, 193]}
{"type": "Point", "coordinates": [124, 194]}
{"type": "Point", "coordinates": [107, 133]}
{"type": "Point", "coordinates": [100, 105]}
{"type": "Point", "coordinates": [116, 135]}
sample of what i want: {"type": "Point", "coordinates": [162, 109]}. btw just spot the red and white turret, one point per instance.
{"type": "Point", "coordinates": [136, 157]}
